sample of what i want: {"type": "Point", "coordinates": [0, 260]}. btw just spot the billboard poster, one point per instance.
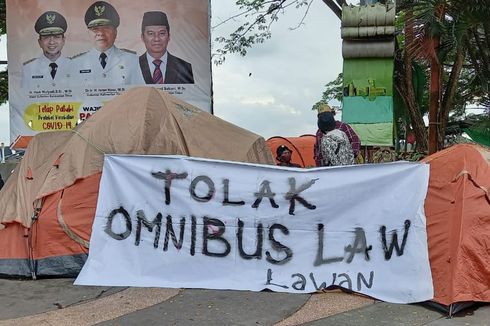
{"type": "Point", "coordinates": [67, 58]}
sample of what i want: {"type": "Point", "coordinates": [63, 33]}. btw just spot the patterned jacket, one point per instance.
{"type": "Point", "coordinates": [351, 134]}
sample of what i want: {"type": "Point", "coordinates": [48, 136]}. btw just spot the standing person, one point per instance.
{"type": "Point", "coordinates": [325, 112]}
{"type": "Point", "coordinates": [51, 69]}
{"type": "Point", "coordinates": [157, 65]}
{"type": "Point", "coordinates": [105, 64]}
{"type": "Point", "coordinates": [283, 157]}
{"type": "Point", "coordinates": [335, 146]}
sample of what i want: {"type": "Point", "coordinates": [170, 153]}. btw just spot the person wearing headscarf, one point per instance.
{"type": "Point", "coordinates": [335, 146]}
{"type": "Point", "coordinates": [326, 112]}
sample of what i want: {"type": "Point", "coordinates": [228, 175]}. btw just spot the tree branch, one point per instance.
{"type": "Point", "coordinates": [485, 60]}
{"type": "Point", "coordinates": [304, 16]}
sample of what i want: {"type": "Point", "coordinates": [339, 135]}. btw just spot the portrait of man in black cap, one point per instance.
{"type": "Point", "coordinates": [157, 65]}
{"type": "Point", "coordinates": [105, 64]}
{"type": "Point", "coordinates": [51, 69]}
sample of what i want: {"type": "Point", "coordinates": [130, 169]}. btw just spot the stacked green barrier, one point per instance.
{"type": "Point", "coordinates": [368, 51]}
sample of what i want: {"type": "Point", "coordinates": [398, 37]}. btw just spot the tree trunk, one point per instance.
{"type": "Point", "coordinates": [418, 126]}
{"type": "Point", "coordinates": [450, 92]}
{"type": "Point", "coordinates": [404, 86]}
{"type": "Point", "coordinates": [435, 87]}
{"type": "Point", "coordinates": [434, 96]}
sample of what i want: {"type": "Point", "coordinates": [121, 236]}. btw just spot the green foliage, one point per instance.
{"type": "Point", "coordinates": [259, 15]}
{"type": "Point", "coordinates": [3, 17]}
{"type": "Point", "coordinates": [469, 91]}
{"type": "Point", "coordinates": [420, 85]}
{"type": "Point", "coordinates": [317, 104]}
{"type": "Point", "coordinates": [462, 25]}
{"type": "Point", "coordinates": [480, 131]}
{"type": "Point", "coordinates": [459, 25]}
{"type": "Point", "coordinates": [333, 91]}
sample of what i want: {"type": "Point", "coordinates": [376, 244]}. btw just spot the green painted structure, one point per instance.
{"type": "Point", "coordinates": [368, 50]}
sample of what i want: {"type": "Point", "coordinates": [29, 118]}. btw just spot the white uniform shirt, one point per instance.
{"type": "Point", "coordinates": [122, 68]}
{"type": "Point", "coordinates": [36, 74]}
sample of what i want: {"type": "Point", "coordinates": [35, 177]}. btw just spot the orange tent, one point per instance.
{"type": "Point", "coordinates": [47, 206]}
{"type": "Point", "coordinates": [21, 142]}
{"type": "Point", "coordinates": [301, 146]}
{"type": "Point", "coordinates": [458, 225]}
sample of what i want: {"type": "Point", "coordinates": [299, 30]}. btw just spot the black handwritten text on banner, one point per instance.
{"type": "Point", "coordinates": [182, 222]}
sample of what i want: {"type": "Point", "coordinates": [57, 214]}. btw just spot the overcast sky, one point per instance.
{"type": "Point", "coordinates": [288, 73]}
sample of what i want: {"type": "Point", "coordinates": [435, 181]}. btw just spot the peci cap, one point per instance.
{"type": "Point", "coordinates": [101, 13]}
{"type": "Point", "coordinates": [324, 107]}
{"type": "Point", "coordinates": [50, 23]}
{"type": "Point", "coordinates": [154, 18]}
{"type": "Point", "coordinates": [281, 149]}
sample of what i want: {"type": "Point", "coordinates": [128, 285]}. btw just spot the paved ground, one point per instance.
{"type": "Point", "coordinates": [57, 302]}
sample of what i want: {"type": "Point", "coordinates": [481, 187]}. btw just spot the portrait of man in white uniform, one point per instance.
{"type": "Point", "coordinates": [51, 69]}
{"type": "Point", "coordinates": [105, 64]}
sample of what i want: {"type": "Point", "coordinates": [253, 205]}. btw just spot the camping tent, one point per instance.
{"type": "Point", "coordinates": [301, 146]}
{"type": "Point", "coordinates": [458, 219]}
{"type": "Point", "coordinates": [47, 206]}
{"type": "Point", "coordinates": [458, 225]}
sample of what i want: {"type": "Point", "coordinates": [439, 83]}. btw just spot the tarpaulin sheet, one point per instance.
{"type": "Point", "coordinates": [376, 15]}
{"type": "Point", "coordinates": [360, 71]}
{"type": "Point", "coordinates": [367, 32]}
{"type": "Point", "coordinates": [359, 109]}
{"type": "Point", "coordinates": [374, 134]}
{"type": "Point", "coordinates": [479, 136]}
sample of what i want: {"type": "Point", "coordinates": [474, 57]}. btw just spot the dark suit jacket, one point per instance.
{"type": "Point", "coordinates": [178, 71]}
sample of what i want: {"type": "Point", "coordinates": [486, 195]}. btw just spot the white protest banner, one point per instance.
{"type": "Point", "coordinates": [172, 221]}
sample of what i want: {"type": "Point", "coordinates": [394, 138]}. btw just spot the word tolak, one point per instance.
{"type": "Point", "coordinates": [265, 191]}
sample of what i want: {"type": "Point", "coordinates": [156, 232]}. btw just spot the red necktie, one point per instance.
{"type": "Point", "coordinates": [157, 74]}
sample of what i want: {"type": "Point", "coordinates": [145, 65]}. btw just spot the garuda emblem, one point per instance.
{"type": "Point", "coordinates": [50, 18]}
{"type": "Point", "coordinates": [99, 10]}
